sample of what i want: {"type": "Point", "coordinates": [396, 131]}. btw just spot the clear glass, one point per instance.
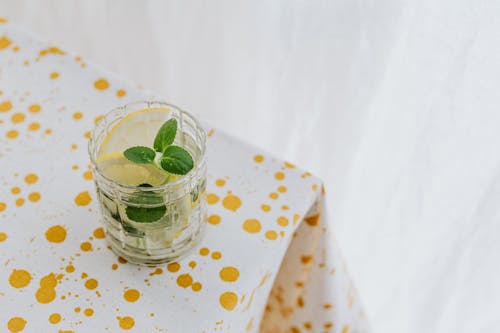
{"type": "Point", "coordinates": [180, 204]}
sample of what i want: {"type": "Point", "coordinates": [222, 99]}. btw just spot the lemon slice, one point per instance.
{"type": "Point", "coordinates": [118, 168]}
{"type": "Point", "coordinates": [139, 128]}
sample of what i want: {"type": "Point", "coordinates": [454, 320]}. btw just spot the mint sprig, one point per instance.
{"type": "Point", "coordinates": [166, 156]}
{"type": "Point", "coordinates": [139, 154]}
{"type": "Point", "coordinates": [166, 135]}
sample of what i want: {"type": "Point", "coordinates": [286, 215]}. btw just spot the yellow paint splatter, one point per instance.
{"type": "Point", "coordinates": [20, 202]}
{"type": "Point", "coordinates": [285, 207]}
{"type": "Point", "coordinates": [212, 198]}
{"type": "Point", "coordinates": [19, 278]}
{"type": "Point", "coordinates": [34, 196]}
{"type": "Point", "coordinates": [157, 271]}
{"type": "Point", "coordinates": [214, 219]}
{"type": "Point", "coordinates": [282, 189]}
{"type": "Point", "coordinates": [99, 233]}
{"type": "Point", "coordinates": [54, 75]}
{"type": "Point", "coordinates": [192, 264]}
{"type": "Point", "coordinates": [48, 281]}
{"type": "Point", "coordinates": [88, 312]}
{"type": "Point", "coordinates": [70, 268]}
{"type": "Point", "coordinates": [196, 286]}
{"type": "Point", "coordinates": [289, 165]}
{"type": "Point", "coordinates": [173, 267]}
{"type": "Point", "coordinates": [271, 235]}
{"type": "Point", "coordinates": [228, 300]}
{"type": "Point", "coordinates": [56, 234]}
{"type": "Point", "coordinates": [3, 206]}
{"type": "Point", "coordinates": [86, 246]}
{"type": "Point", "coordinates": [3, 236]}
{"type": "Point", "coordinates": [216, 255]}
{"type": "Point", "coordinates": [91, 284]}
{"type": "Point", "coordinates": [229, 274]}
{"type": "Point", "coordinates": [48, 131]}
{"type": "Point", "coordinates": [131, 295]}
{"type": "Point", "coordinates": [204, 251]}
{"type": "Point", "coordinates": [220, 182]}
{"type": "Point", "coordinates": [312, 220]}
{"type": "Point", "coordinates": [87, 175]}
{"type": "Point", "coordinates": [77, 309]}
{"type": "Point", "coordinates": [184, 280]}
{"type": "Point", "coordinates": [18, 117]}
{"type": "Point", "coordinates": [101, 84]}
{"type": "Point", "coordinates": [231, 202]}
{"type": "Point", "coordinates": [87, 135]}
{"type": "Point", "coordinates": [4, 42]}
{"type": "Point", "coordinates": [258, 158]}
{"type": "Point", "coordinates": [345, 329]}
{"type": "Point", "coordinates": [279, 175]}
{"type": "Point", "coordinates": [265, 208]}
{"type": "Point", "coordinates": [114, 267]}
{"type": "Point", "coordinates": [306, 259]}
{"type": "Point", "coordinates": [31, 178]}
{"type": "Point", "coordinates": [12, 134]}
{"type": "Point", "coordinates": [15, 190]}
{"type": "Point", "coordinates": [5, 106]}
{"type": "Point", "coordinates": [282, 221]}
{"type": "Point", "coordinates": [34, 108]}
{"type": "Point", "coordinates": [54, 318]}
{"type": "Point", "coordinates": [16, 324]}
{"type": "Point", "coordinates": [274, 195]}
{"type": "Point", "coordinates": [34, 126]}
{"type": "Point", "coordinates": [120, 93]}
{"type": "Point", "coordinates": [45, 295]}
{"type": "Point", "coordinates": [77, 115]}
{"type": "Point", "coordinates": [83, 198]}
{"type": "Point", "coordinates": [252, 226]}
{"type": "Point", "coordinates": [126, 323]}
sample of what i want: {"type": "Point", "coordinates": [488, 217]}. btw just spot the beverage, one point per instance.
{"type": "Point", "coordinates": [150, 216]}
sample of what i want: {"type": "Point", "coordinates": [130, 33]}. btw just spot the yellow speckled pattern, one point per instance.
{"type": "Point", "coordinates": [267, 263]}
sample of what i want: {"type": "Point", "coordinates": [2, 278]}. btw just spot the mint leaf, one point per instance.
{"type": "Point", "coordinates": [176, 160]}
{"type": "Point", "coordinates": [144, 214]}
{"type": "Point", "coordinates": [140, 154]}
{"type": "Point", "coordinates": [166, 135]}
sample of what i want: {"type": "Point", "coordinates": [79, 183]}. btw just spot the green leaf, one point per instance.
{"type": "Point", "coordinates": [144, 214]}
{"type": "Point", "coordinates": [176, 160]}
{"type": "Point", "coordinates": [139, 154]}
{"type": "Point", "coordinates": [166, 135]}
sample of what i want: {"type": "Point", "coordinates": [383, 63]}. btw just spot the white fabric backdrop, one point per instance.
{"type": "Point", "coordinates": [393, 103]}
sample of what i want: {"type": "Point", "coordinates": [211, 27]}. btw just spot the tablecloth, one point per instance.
{"type": "Point", "coordinates": [267, 263]}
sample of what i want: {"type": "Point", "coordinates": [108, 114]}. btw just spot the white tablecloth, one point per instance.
{"type": "Point", "coordinates": [268, 261]}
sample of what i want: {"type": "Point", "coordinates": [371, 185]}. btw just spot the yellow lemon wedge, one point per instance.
{"type": "Point", "coordinates": [138, 128]}
{"type": "Point", "coordinates": [117, 167]}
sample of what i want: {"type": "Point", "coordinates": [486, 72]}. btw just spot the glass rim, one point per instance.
{"type": "Point", "coordinates": [182, 180]}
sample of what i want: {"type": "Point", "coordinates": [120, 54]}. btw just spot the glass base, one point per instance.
{"type": "Point", "coordinates": [159, 256]}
